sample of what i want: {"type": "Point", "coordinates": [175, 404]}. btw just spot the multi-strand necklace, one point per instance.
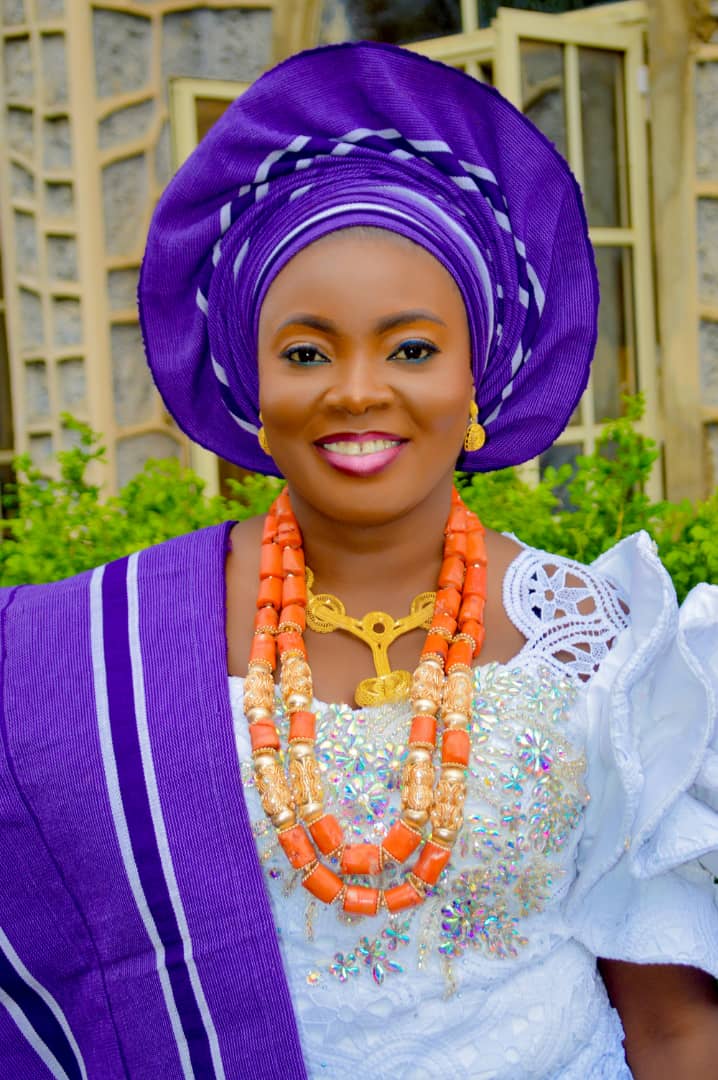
{"type": "Point", "coordinates": [441, 684]}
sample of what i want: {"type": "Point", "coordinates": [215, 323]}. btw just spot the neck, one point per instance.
{"type": "Point", "coordinates": [399, 556]}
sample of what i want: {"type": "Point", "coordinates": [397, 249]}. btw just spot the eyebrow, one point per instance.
{"type": "Point", "coordinates": [391, 322]}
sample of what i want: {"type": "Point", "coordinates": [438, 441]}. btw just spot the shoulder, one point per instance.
{"type": "Point", "coordinates": [181, 558]}
{"type": "Point", "coordinates": [570, 613]}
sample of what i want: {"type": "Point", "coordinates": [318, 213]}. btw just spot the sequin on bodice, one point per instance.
{"type": "Point", "coordinates": [525, 799]}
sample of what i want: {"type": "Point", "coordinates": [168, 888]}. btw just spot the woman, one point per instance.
{"type": "Point", "coordinates": [394, 265]}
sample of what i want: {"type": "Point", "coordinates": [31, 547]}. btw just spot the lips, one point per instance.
{"type": "Point", "coordinates": [360, 453]}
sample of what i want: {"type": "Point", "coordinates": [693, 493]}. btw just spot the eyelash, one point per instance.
{"type": "Point", "coordinates": [424, 346]}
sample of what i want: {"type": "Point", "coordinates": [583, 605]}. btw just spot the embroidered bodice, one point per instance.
{"type": "Point", "coordinates": [514, 859]}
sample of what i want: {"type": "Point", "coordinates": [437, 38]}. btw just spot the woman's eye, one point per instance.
{"type": "Point", "coordinates": [304, 355]}
{"type": "Point", "coordinates": [414, 352]}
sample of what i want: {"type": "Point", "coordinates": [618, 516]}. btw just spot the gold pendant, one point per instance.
{"type": "Point", "coordinates": [379, 631]}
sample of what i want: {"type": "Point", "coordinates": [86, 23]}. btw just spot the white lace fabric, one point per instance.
{"type": "Point", "coordinates": [563, 855]}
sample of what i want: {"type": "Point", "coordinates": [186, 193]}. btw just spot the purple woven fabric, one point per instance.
{"type": "Point", "coordinates": [136, 939]}
{"type": "Point", "coordinates": [372, 135]}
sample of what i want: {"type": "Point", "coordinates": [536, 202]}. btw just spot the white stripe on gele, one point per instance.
{"type": "Point", "coordinates": [225, 217]}
{"type": "Point", "coordinates": [201, 301]}
{"type": "Point", "coordinates": [158, 822]}
{"type": "Point", "coordinates": [39, 1045]}
{"type": "Point", "coordinates": [539, 294]}
{"type": "Point", "coordinates": [219, 372]}
{"type": "Point", "coordinates": [102, 708]}
{"type": "Point", "coordinates": [479, 170]}
{"type": "Point", "coordinates": [240, 258]}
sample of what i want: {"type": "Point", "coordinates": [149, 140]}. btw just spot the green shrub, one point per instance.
{"type": "Point", "coordinates": [61, 527]}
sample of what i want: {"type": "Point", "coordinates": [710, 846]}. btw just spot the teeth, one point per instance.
{"type": "Point", "coordinates": [357, 449]}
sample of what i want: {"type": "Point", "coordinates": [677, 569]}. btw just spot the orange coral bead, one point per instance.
{"type": "Point", "coordinates": [263, 647]}
{"type": "Point", "coordinates": [361, 859]}
{"type": "Point", "coordinates": [474, 630]}
{"type": "Point", "coordinates": [270, 593]}
{"type": "Point", "coordinates": [291, 641]}
{"type": "Point", "coordinates": [460, 652]}
{"type": "Point", "coordinates": [266, 616]}
{"type": "Point", "coordinates": [293, 560]}
{"type": "Point", "coordinates": [456, 746]}
{"type": "Point", "coordinates": [297, 846]}
{"type": "Point", "coordinates": [423, 730]}
{"type": "Point", "coordinates": [451, 574]}
{"type": "Point", "coordinates": [294, 613]}
{"type": "Point", "coordinates": [431, 862]}
{"type": "Point", "coordinates": [327, 834]}
{"type": "Point", "coordinates": [302, 725]}
{"type": "Point", "coordinates": [442, 621]}
{"type": "Point", "coordinates": [476, 546]}
{"type": "Point", "coordinates": [448, 601]}
{"type": "Point", "coordinates": [270, 561]}
{"type": "Point", "coordinates": [455, 544]}
{"type": "Point", "coordinates": [435, 644]}
{"type": "Point", "coordinates": [323, 883]}
{"type": "Point", "coordinates": [457, 519]}
{"type": "Point", "coordinates": [294, 592]}
{"type": "Point", "coordinates": [288, 537]}
{"type": "Point", "coordinates": [401, 896]}
{"type": "Point", "coordinates": [264, 736]}
{"type": "Point", "coordinates": [401, 841]}
{"type": "Point", "coordinates": [475, 583]}
{"type": "Point", "coordinates": [472, 607]}
{"type": "Point", "coordinates": [269, 531]}
{"type": "Point", "coordinates": [361, 900]}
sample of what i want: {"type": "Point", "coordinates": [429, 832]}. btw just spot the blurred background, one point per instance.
{"type": "Point", "coordinates": [101, 101]}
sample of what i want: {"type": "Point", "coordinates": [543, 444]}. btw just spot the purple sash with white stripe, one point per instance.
{"type": "Point", "coordinates": [136, 937]}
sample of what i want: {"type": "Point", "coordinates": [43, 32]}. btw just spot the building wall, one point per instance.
{"type": "Point", "coordinates": [86, 153]}
{"type": "Point", "coordinates": [706, 167]}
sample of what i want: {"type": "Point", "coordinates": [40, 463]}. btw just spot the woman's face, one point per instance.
{"type": "Point", "coordinates": [365, 375]}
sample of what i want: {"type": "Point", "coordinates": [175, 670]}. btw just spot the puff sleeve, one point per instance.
{"type": "Point", "coordinates": [645, 889]}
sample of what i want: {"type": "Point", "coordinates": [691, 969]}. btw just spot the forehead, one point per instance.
{"type": "Point", "coordinates": [365, 268]}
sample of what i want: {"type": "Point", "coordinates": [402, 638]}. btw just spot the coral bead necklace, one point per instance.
{"type": "Point", "coordinates": [441, 684]}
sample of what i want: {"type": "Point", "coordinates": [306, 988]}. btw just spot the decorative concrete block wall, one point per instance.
{"type": "Point", "coordinates": [85, 155]}
{"type": "Point", "coordinates": [706, 90]}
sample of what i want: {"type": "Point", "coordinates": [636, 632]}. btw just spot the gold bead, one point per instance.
{"type": "Point", "coordinates": [285, 819]}
{"type": "Point", "coordinates": [446, 837]}
{"type": "Point", "coordinates": [300, 748]}
{"type": "Point", "coordinates": [298, 703]}
{"type": "Point", "coordinates": [264, 758]}
{"type": "Point", "coordinates": [455, 720]}
{"type": "Point", "coordinates": [454, 774]}
{"type": "Point", "coordinates": [311, 812]}
{"type": "Point", "coordinates": [418, 754]}
{"type": "Point", "coordinates": [257, 714]}
{"type": "Point", "coordinates": [423, 707]}
{"type": "Point", "coordinates": [416, 818]}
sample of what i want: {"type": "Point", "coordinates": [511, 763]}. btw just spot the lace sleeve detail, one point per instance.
{"type": "Point", "coordinates": [569, 614]}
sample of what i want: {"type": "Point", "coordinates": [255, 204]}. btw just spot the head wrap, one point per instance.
{"type": "Point", "coordinates": [370, 134]}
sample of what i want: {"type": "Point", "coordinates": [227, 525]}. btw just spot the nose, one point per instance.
{"type": "Point", "coordinates": [359, 385]}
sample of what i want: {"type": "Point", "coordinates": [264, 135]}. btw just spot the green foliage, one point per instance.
{"type": "Point", "coordinates": [63, 526]}
{"type": "Point", "coordinates": [60, 527]}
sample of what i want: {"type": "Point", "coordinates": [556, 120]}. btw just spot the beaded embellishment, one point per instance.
{"type": "Point", "coordinates": [525, 798]}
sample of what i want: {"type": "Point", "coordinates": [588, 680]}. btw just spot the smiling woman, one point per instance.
{"type": "Point", "coordinates": [380, 339]}
{"type": "Point", "coordinates": [371, 270]}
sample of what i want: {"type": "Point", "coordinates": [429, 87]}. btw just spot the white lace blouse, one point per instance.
{"type": "Point", "coordinates": [591, 829]}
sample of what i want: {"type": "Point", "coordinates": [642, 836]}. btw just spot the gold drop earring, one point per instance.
{"type": "Point", "coordinates": [475, 436]}
{"type": "Point", "coordinates": [262, 437]}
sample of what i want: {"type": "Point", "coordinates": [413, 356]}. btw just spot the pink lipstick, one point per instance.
{"type": "Point", "coordinates": [360, 453]}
